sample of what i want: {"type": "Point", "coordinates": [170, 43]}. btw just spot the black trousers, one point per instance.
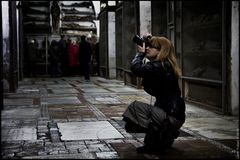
{"type": "Point", "coordinates": [160, 129]}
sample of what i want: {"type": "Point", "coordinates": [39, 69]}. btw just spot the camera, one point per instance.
{"type": "Point", "coordinates": [139, 40]}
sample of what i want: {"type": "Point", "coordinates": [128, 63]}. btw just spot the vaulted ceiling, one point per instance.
{"type": "Point", "coordinates": [59, 17]}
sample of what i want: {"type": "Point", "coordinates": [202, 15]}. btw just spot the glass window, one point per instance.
{"type": "Point", "coordinates": [111, 3]}
{"type": "Point", "coordinates": [202, 40]}
{"type": "Point", "coordinates": [171, 12]}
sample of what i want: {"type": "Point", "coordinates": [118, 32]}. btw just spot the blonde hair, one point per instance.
{"type": "Point", "coordinates": [166, 52]}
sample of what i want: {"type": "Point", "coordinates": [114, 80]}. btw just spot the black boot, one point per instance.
{"type": "Point", "coordinates": [144, 149]}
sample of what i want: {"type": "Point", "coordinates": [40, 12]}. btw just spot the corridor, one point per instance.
{"type": "Point", "coordinates": [70, 118]}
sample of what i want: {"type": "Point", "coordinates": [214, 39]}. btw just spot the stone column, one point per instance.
{"type": "Point", "coordinates": [234, 86]}
{"type": "Point", "coordinates": [145, 17]}
{"type": "Point", "coordinates": [111, 45]}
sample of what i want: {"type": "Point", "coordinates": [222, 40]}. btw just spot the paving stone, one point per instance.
{"type": "Point", "coordinates": [184, 149]}
{"type": "Point", "coordinates": [107, 155]}
{"type": "Point", "coordinates": [102, 100]}
{"type": "Point", "coordinates": [77, 147]}
{"type": "Point", "coordinates": [59, 86]}
{"type": "Point", "coordinates": [123, 89]}
{"type": "Point", "coordinates": [17, 101]}
{"type": "Point", "coordinates": [49, 146]}
{"type": "Point", "coordinates": [99, 147]}
{"type": "Point", "coordinates": [63, 152]}
{"type": "Point", "coordinates": [24, 133]}
{"type": "Point", "coordinates": [114, 141]}
{"type": "Point", "coordinates": [112, 85]}
{"type": "Point", "coordinates": [73, 151]}
{"type": "Point", "coordinates": [94, 90]}
{"type": "Point", "coordinates": [213, 130]}
{"type": "Point", "coordinates": [21, 113]}
{"type": "Point", "coordinates": [77, 113]}
{"type": "Point", "coordinates": [10, 123]}
{"type": "Point", "coordinates": [127, 99]}
{"type": "Point", "coordinates": [28, 91]}
{"type": "Point", "coordinates": [44, 82]}
{"type": "Point", "coordinates": [64, 90]}
{"type": "Point", "coordinates": [82, 86]}
{"type": "Point", "coordinates": [87, 130]}
{"type": "Point", "coordinates": [128, 151]}
{"type": "Point", "coordinates": [53, 153]}
{"type": "Point", "coordinates": [33, 147]}
{"type": "Point", "coordinates": [61, 100]}
{"type": "Point", "coordinates": [64, 156]}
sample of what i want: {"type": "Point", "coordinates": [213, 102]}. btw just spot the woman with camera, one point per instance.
{"type": "Point", "coordinates": [161, 122]}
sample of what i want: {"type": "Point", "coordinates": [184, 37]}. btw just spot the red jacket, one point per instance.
{"type": "Point", "coordinates": [72, 55]}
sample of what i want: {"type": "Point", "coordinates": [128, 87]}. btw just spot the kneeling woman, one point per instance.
{"type": "Point", "coordinates": [160, 75]}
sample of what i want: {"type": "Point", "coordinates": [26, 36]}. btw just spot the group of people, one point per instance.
{"type": "Point", "coordinates": [68, 57]}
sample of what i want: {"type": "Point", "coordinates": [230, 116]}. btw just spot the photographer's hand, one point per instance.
{"type": "Point", "coordinates": [141, 49]}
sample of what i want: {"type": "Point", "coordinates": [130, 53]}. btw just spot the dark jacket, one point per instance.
{"type": "Point", "coordinates": [85, 51]}
{"type": "Point", "coordinates": [53, 52]}
{"type": "Point", "coordinates": [32, 52]}
{"type": "Point", "coordinates": [159, 80]}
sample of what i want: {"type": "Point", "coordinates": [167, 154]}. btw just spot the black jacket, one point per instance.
{"type": "Point", "coordinates": [159, 80]}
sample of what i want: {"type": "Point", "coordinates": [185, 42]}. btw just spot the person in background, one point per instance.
{"type": "Point", "coordinates": [64, 54]}
{"type": "Point", "coordinates": [73, 58]}
{"type": "Point", "coordinates": [54, 59]}
{"type": "Point", "coordinates": [32, 57]}
{"type": "Point", "coordinates": [85, 54]}
{"type": "Point", "coordinates": [161, 122]}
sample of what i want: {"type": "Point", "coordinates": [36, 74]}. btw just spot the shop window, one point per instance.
{"type": "Point", "coordinates": [202, 40]}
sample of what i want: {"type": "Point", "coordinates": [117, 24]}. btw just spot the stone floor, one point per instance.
{"type": "Point", "coordinates": [69, 118]}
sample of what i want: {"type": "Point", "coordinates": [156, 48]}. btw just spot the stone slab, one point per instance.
{"type": "Point", "coordinates": [214, 128]}
{"type": "Point", "coordinates": [107, 155]}
{"type": "Point", "coordinates": [187, 149]}
{"type": "Point", "coordinates": [61, 100]}
{"type": "Point", "coordinates": [64, 156]}
{"type": "Point", "coordinates": [90, 85]}
{"type": "Point", "coordinates": [87, 130]}
{"type": "Point", "coordinates": [24, 133]}
{"type": "Point", "coordinates": [102, 100]}
{"type": "Point", "coordinates": [123, 89]}
{"type": "Point", "coordinates": [94, 90]}
{"type": "Point", "coordinates": [28, 91]}
{"type": "Point", "coordinates": [44, 82]}
{"type": "Point", "coordinates": [59, 86]}
{"type": "Point", "coordinates": [64, 91]}
{"type": "Point", "coordinates": [111, 85]}
{"type": "Point", "coordinates": [16, 101]}
{"type": "Point", "coordinates": [24, 113]}
{"type": "Point", "coordinates": [127, 99]}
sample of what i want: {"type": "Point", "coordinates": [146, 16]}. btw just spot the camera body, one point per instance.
{"type": "Point", "coordinates": [139, 40]}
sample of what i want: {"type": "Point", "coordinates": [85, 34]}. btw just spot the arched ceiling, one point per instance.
{"type": "Point", "coordinates": [75, 17]}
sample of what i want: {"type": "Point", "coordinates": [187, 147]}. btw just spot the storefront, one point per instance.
{"type": "Point", "coordinates": [203, 35]}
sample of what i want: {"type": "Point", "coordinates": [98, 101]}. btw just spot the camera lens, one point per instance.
{"type": "Point", "coordinates": [138, 40]}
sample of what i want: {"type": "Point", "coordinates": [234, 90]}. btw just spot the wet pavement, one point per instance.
{"type": "Point", "coordinates": [69, 118]}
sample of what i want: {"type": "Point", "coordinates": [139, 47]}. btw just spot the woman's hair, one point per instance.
{"type": "Point", "coordinates": [166, 52]}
